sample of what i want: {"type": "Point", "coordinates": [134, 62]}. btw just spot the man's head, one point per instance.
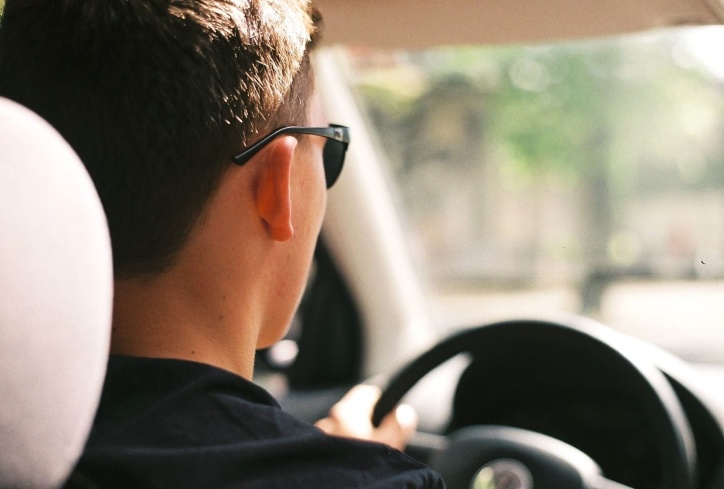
{"type": "Point", "coordinates": [157, 96]}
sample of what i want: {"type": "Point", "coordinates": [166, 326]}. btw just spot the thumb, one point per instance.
{"type": "Point", "coordinates": [397, 427]}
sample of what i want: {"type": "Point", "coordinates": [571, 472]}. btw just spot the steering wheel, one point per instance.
{"type": "Point", "coordinates": [496, 457]}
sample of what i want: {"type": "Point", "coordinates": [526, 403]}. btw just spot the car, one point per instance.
{"type": "Point", "coordinates": [538, 191]}
{"type": "Point", "coordinates": [527, 242]}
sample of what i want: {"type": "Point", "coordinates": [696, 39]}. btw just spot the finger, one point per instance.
{"type": "Point", "coordinates": [407, 418]}
{"type": "Point", "coordinates": [397, 427]}
{"type": "Point", "coordinates": [350, 417]}
{"type": "Point", "coordinates": [362, 396]}
{"type": "Point", "coordinates": [328, 425]}
{"type": "Point", "coordinates": [358, 403]}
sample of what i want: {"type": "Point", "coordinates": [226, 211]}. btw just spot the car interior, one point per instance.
{"type": "Point", "coordinates": [526, 244]}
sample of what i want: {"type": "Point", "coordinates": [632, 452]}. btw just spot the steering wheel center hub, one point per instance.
{"type": "Point", "coordinates": [503, 474]}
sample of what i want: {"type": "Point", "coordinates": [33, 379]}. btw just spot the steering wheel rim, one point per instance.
{"type": "Point", "coordinates": [677, 451]}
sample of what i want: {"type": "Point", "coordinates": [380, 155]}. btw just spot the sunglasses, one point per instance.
{"type": "Point", "coordinates": [334, 149]}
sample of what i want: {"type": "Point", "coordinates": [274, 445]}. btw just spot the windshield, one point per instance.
{"type": "Point", "coordinates": [585, 177]}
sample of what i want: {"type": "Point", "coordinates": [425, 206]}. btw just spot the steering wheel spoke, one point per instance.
{"type": "Point", "coordinates": [503, 456]}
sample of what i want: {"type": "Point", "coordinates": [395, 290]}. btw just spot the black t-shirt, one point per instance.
{"type": "Point", "coordinates": [180, 424]}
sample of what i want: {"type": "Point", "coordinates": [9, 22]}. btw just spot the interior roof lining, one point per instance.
{"type": "Point", "coordinates": [416, 24]}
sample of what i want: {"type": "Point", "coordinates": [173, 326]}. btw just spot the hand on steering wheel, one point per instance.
{"type": "Point", "coordinates": [350, 418]}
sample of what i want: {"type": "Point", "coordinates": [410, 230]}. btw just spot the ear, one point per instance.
{"type": "Point", "coordinates": [273, 188]}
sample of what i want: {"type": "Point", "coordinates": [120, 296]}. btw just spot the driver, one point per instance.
{"type": "Point", "coordinates": [211, 252]}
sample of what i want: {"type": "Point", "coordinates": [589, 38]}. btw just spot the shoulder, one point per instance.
{"type": "Point", "coordinates": [159, 396]}
{"type": "Point", "coordinates": [178, 424]}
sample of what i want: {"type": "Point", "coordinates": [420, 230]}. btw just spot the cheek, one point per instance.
{"type": "Point", "coordinates": [311, 201]}
{"type": "Point", "coordinates": [321, 210]}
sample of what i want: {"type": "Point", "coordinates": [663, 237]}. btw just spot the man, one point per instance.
{"type": "Point", "coordinates": [173, 106]}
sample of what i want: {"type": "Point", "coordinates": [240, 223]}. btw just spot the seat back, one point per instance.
{"type": "Point", "coordinates": [56, 289]}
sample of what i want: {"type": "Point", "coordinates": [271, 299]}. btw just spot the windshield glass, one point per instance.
{"type": "Point", "coordinates": [585, 177]}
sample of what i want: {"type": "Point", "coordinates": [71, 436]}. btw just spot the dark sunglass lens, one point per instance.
{"type": "Point", "coordinates": [333, 160]}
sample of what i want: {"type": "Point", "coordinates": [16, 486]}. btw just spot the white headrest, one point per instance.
{"type": "Point", "coordinates": [56, 290]}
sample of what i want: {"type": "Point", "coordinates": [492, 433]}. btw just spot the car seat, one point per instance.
{"type": "Point", "coordinates": [56, 288]}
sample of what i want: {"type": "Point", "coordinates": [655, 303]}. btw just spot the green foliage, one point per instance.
{"type": "Point", "coordinates": [573, 109]}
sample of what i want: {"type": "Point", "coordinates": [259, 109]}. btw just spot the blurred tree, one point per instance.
{"type": "Point", "coordinates": [608, 122]}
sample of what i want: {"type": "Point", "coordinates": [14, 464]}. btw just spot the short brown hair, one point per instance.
{"type": "Point", "coordinates": [156, 96]}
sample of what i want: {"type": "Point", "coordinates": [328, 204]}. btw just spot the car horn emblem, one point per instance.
{"type": "Point", "coordinates": [503, 474]}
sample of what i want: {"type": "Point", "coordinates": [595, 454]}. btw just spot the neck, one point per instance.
{"type": "Point", "coordinates": [213, 304]}
{"type": "Point", "coordinates": [167, 317]}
